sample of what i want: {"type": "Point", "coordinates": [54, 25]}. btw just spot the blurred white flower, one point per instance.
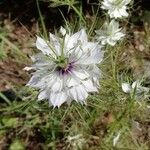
{"type": "Point", "coordinates": [66, 68]}
{"type": "Point", "coordinates": [27, 68]}
{"type": "Point", "coordinates": [110, 33]}
{"type": "Point", "coordinates": [136, 125]}
{"type": "Point", "coordinates": [135, 87]}
{"type": "Point", "coordinates": [116, 8]}
{"type": "Point", "coordinates": [116, 138]}
{"type": "Point", "coordinates": [126, 87]}
{"type": "Point", "coordinates": [138, 88]}
{"type": "Point", "coordinates": [62, 31]}
{"type": "Point", "coordinates": [76, 141]}
{"type": "Point", "coordinates": [148, 106]}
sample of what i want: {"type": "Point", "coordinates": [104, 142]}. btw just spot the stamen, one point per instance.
{"type": "Point", "coordinates": [66, 69]}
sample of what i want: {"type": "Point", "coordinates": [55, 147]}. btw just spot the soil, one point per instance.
{"type": "Point", "coordinates": [11, 73]}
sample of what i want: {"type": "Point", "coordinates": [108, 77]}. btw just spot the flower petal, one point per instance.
{"type": "Point", "coordinates": [92, 54]}
{"type": "Point", "coordinates": [80, 36]}
{"type": "Point", "coordinates": [42, 45]}
{"type": "Point", "coordinates": [78, 93]}
{"type": "Point", "coordinates": [42, 95]}
{"type": "Point", "coordinates": [81, 74]}
{"type": "Point", "coordinates": [57, 99]}
{"type": "Point", "coordinates": [116, 138]}
{"type": "Point", "coordinates": [89, 86]}
{"type": "Point", "coordinates": [63, 31]}
{"type": "Point", "coordinates": [55, 43]}
{"type": "Point", "coordinates": [126, 87]}
{"type": "Point", "coordinates": [72, 82]}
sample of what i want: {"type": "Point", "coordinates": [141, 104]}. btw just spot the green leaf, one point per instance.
{"type": "Point", "coordinates": [10, 122]}
{"type": "Point", "coordinates": [17, 145]}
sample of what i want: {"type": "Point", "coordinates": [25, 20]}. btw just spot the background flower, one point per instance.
{"type": "Point", "coordinates": [110, 33]}
{"type": "Point", "coordinates": [116, 8]}
{"type": "Point", "coordinates": [135, 87]}
{"type": "Point", "coordinates": [66, 68]}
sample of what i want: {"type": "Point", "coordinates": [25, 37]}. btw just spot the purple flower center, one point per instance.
{"type": "Point", "coordinates": [65, 69]}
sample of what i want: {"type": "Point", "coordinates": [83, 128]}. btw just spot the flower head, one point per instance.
{"type": "Point", "coordinates": [110, 33]}
{"type": "Point", "coordinates": [77, 141]}
{"type": "Point", "coordinates": [116, 138]}
{"type": "Point", "coordinates": [116, 8]}
{"type": "Point", "coordinates": [135, 87]}
{"type": "Point", "coordinates": [65, 69]}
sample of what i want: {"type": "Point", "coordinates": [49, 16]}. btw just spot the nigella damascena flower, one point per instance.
{"type": "Point", "coordinates": [77, 141]}
{"type": "Point", "coordinates": [135, 87]}
{"type": "Point", "coordinates": [116, 8]}
{"type": "Point", "coordinates": [110, 33]}
{"type": "Point", "coordinates": [65, 69]}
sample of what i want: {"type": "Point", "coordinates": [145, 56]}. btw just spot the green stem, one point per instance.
{"type": "Point", "coordinates": [42, 20]}
{"type": "Point", "coordinates": [78, 13]}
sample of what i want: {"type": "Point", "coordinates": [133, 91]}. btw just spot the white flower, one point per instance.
{"type": "Point", "coordinates": [135, 87]}
{"type": "Point", "coordinates": [62, 31]}
{"type": "Point", "coordinates": [27, 68]}
{"type": "Point", "coordinates": [110, 33]}
{"type": "Point", "coordinates": [148, 106]}
{"type": "Point", "coordinates": [116, 8]}
{"type": "Point", "coordinates": [76, 141]}
{"type": "Point", "coordinates": [126, 87]}
{"type": "Point", "coordinates": [136, 125]}
{"type": "Point", "coordinates": [116, 138]}
{"type": "Point", "coordinates": [66, 68]}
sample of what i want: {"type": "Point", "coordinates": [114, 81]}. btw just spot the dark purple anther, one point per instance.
{"type": "Point", "coordinates": [65, 70]}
